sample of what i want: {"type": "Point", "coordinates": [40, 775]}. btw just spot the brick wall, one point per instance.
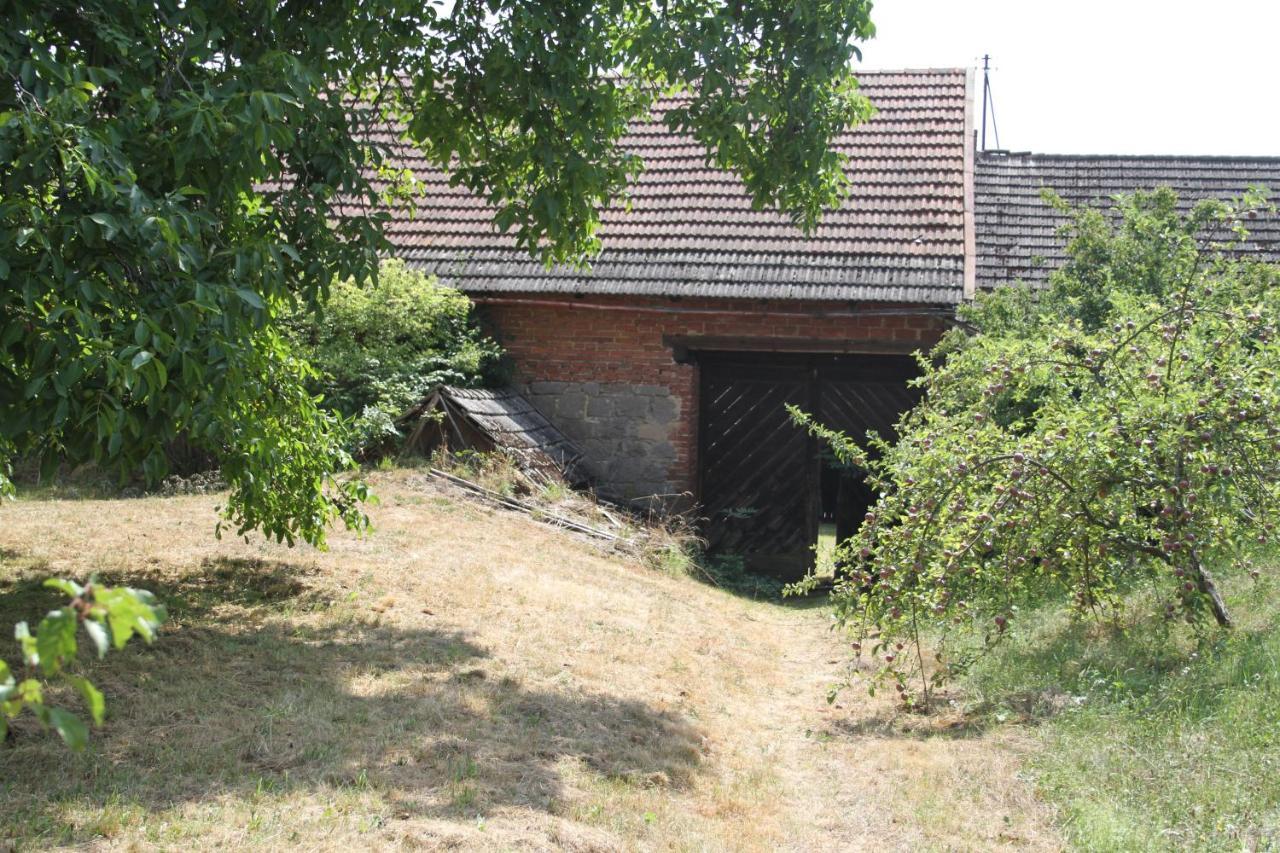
{"type": "Point", "coordinates": [602, 368]}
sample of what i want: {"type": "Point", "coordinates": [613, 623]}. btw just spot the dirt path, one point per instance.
{"type": "Point", "coordinates": [858, 775]}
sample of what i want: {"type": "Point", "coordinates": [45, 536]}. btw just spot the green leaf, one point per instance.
{"type": "Point", "coordinates": [56, 640]}
{"type": "Point", "coordinates": [252, 298]}
{"type": "Point", "coordinates": [129, 612]}
{"type": "Point", "coordinates": [72, 728]}
{"type": "Point", "coordinates": [99, 635]}
{"type": "Point", "coordinates": [69, 587]}
{"type": "Point", "coordinates": [108, 222]}
{"type": "Point", "coordinates": [30, 653]}
{"type": "Point", "coordinates": [93, 698]}
{"type": "Point", "coordinates": [141, 358]}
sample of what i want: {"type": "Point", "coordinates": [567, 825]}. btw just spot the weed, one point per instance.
{"type": "Point", "coordinates": [729, 571]}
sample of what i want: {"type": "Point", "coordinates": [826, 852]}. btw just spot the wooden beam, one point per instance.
{"type": "Point", "coordinates": [970, 228]}
{"type": "Point", "coordinates": [683, 346]}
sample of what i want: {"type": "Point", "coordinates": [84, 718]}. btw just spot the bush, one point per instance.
{"type": "Point", "coordinates": [1120, 429]}
{"type": "Point", "coordinates": [380, 348]}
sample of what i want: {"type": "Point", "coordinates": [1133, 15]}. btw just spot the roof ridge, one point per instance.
{"type": "Point", "coordinates": [918, 70]}
{"type": "Point", "coordinates": [998, 156]}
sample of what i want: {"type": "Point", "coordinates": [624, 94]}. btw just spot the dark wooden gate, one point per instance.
{"type": "Point", "coordinates": [760, 473]}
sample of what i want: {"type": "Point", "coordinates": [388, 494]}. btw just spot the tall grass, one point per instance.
{"type": "Point", "coordinates": [1154, 737]}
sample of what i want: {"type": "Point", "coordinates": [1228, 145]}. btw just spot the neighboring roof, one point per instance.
{"type": "Point", "coordinates": [900, 236]}
{"type": "Point", "coordinates": [1017, 233]}
{"type": "Point", "coordinates": [493, 419]}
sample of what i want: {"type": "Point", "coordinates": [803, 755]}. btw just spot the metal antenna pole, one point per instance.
{"type": "Point", "coordinates": [986, 95]}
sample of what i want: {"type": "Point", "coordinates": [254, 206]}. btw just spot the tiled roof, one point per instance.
{"type": "Point", "coordinates": [899, 236]}
{"type": "Point", "coordinates": [1017, 237]}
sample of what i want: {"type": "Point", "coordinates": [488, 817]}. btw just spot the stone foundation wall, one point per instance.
{"type": "Point", "coordinates": [624, 431]}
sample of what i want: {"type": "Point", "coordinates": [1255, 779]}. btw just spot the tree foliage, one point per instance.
{"type": "Point", "coordinates": [1118, 430]}
{"type": "Point", "coordinates": [111, 616]}
{"type": "Point", "coordinates": [380, 348]}
{"type": "Point", "coordinates": [176, 176]}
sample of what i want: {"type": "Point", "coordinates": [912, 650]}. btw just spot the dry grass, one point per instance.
{"type": "Point", "coordinates": [470, 678]}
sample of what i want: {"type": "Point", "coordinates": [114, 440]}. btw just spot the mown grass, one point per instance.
{"type": "Point", "coordinates": [464, 678]}
{"type": "Point", "coordinates": [1151, 737]}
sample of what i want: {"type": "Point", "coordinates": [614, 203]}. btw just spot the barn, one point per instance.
{"type": "Point", "coordinates": [669, 363]}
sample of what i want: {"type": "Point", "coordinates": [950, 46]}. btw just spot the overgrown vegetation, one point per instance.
{"type": "Point", "coordinates": [379, 348]}
{"type": "Point", "coordinates": [1119, 430]}
{"type": "Point", "coordinates": [1152, 736]}
{"type": "Point", "coordinates": [666, 543]}
{"type": "Point", "coordinates": [729, 572]}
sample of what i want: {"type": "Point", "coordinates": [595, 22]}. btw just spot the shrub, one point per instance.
{"type": "Point", "coordinates": [1122, 428]}
{"type": "Point", "coordinates": [380, 348]}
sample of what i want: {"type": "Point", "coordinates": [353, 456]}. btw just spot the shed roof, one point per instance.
{"type": "Point", "coordinates": [506, 420]}
{"type": "Point", "coordinates": [1017, 233]}
{"type": "Point", "coordinates": [899, 236]}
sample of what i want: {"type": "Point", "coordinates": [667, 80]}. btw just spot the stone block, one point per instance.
{"type": "Point", "coordinates": [652, 430]}
{"type": "Point", "coordinates": [600, 428]}
{"type": "Point", "coordinates": [600, 407]}
{"type": "Point", "coordinates": [665, 409]}
{"type": "Point", "coordinates": [632, 405]}
{"type": "Point", "coordinates": [633, 469]}
{"type": "Point", "coordinates": [575, 431]}
{"type": "Point", "coordinates": [599, 448]}
{"type": "Point", "coordinates": [571, 404]}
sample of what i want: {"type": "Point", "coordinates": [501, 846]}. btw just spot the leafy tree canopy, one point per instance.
{"type": "Point", "coordinates": [1118, 432]}
{"type": "Point", "coordinates": [174, 176]}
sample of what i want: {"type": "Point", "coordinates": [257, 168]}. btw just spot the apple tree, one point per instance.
{"type": "Point", "coordinates": [1118, 428]}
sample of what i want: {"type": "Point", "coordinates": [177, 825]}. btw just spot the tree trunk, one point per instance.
{"type": "Point", "coordinates": [1205, 582]}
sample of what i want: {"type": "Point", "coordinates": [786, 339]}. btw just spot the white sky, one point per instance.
{"type": "Point", "coordinates": [1104, 76]}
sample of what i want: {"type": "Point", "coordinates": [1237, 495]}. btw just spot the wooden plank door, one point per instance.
{"type": "Point", "coordinates": [758, 469]}
{"type": "Point", "coordinates": [868, 395]}
{"type": "Point", "coordinates": [760, 473]}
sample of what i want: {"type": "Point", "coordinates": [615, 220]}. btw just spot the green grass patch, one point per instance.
{"type": "Point", "coordinates": [1153, 737]}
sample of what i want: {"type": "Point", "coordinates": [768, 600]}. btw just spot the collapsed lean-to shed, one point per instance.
{"type": "Point", "coordinates": [491, 420]}
{"type": "Point", "coordinates": [669, 363]}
